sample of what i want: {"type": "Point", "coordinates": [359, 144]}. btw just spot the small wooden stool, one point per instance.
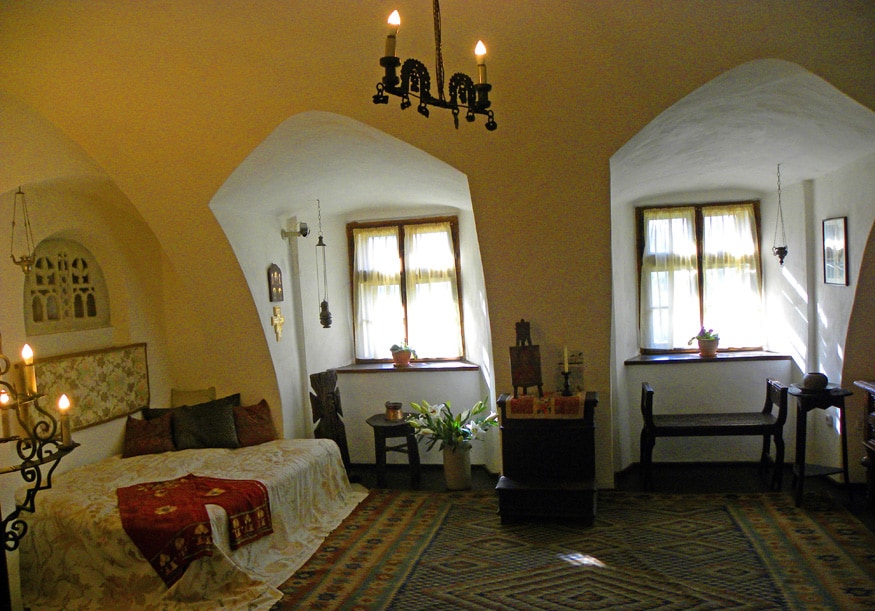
{"type": "Point", "coordinates": [386, 429]}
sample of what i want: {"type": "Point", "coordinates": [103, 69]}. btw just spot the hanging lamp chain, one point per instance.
{"type": "Point", "coordinates": [780, 215]}
{"type": "Point", "coordinates": [438, 54]}
{"type": "Point", "coordinates": [319, 216]}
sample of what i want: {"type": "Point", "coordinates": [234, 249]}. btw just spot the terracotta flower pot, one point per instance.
{"type": "Point", "coordinates": [708, 347]}
{"type": "Point", "coordinates": [402, 358]}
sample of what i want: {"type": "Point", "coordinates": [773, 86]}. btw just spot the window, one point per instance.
{"type": "Point", "coordinates": [700, 267]}
{"type": "Point", "coordinates": [65, 291]}
{"type": "Point", "coordinates": [406, 285]}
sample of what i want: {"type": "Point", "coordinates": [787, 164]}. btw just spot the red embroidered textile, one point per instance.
{"type": "Point", "coordinates": [169, 523]}
{"type": "Point", "coordinates": [550, 405]}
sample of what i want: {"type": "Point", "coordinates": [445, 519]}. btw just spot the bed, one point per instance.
{"type": "Point", "coordinates": [78, 555]}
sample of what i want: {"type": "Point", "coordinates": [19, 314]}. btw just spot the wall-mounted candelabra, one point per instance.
{"type": "Point", "coordinates": [40, 443]}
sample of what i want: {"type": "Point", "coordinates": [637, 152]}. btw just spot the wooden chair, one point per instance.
{"type": "Point", "coordinates": [763, 423]}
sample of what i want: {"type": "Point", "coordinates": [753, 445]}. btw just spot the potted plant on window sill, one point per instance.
{"type": "Point", "coordinates": [455, 432]}
{"type": "Point", "coordinates": [708, 341]}
{"type": "Point", "coordinates": [401, 354]}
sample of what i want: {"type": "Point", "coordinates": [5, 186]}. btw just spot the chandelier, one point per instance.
{"type": "Point", "coordinates": [415, 80]}
{"type": "Point", "coordinates": [25, 260]}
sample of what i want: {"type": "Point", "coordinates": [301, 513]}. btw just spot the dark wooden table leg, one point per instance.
{"type": "Point", "coordinates": [801, 432]}
{"type": "Point", "coordinates": [844, 424]}
{"type": "Point", "coordinates": [380, 449]}
{"type": "Point", "coordinates": [413, 459]}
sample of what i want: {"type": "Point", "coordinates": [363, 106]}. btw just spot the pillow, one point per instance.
{"type": "Point", "coordinates": [207, 425]}
{"type": "Point", "coordinates": [230, 400]}
{"type": "Point", "coordinates": [254, 424]}
{"type": "Point", "coordinates": [148, 436]}
{"type": "Point", "coordinates": [191, 397]}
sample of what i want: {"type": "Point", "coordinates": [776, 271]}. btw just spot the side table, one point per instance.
{"type": "Point", "coordinates": [388, 429]}
{"type": "Point", "coordinates": [806, 400]}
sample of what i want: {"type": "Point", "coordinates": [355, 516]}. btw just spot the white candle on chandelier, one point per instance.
{"type": "Point", "coordinates": [63, 407]}
{"type": "Point", "coordinates": [394, 25]}
{"type": "Point", "coordinates": [480, 54]}
{"type": "Point", "coordinates": [29, 372]}
{"type": "Point", "coordinates": [4, 414]}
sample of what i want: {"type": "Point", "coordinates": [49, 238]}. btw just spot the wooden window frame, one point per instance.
{"type": "Point", "coordinates": [700, 232]}
{"type": "Point", "coordinates": [400, 224]}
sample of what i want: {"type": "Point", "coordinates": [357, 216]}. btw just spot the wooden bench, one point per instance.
{"type": "Point", "coordinates": [763, 423]}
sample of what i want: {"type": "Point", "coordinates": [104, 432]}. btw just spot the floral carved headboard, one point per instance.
{"type": "Point", "coordinates": [101, 384]}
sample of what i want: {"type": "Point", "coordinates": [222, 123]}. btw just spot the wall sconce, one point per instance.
{"type": "Point", "coordinates": [39, 450]}
{"type": "Point", "coordinates": [26, 260]}
{"type": "Point", "coordinates": [779, 251]}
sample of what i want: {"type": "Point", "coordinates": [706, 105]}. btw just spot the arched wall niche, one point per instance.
{"type": "Point", "coordinates": [722, 143]}
{"type": "Point", "coordinates": [357, 173]}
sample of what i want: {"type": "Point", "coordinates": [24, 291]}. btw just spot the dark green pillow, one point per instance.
{"type": "Point", "coordinates": [153, 412]}
{"type": "Point", "coordinates": [204, 426]}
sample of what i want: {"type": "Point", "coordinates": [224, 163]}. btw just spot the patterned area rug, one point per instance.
{"type": "Point", "coordinates": [418, 551]}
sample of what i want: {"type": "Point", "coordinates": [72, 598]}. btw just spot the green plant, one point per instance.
{"type": "Point", "coordinates": [437, 423]}
{"type": "Point", "coordinates": [401, 348]}
{"type": "Point", "coordinates": [702, 334]}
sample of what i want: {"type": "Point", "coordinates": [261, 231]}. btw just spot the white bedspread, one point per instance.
{"type": "Point", "coordinates": [76, 555]}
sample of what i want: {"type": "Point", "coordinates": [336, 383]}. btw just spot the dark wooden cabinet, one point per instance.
{"type": "Point", "coordinates": [869, 440]}
{"type": "Point", "coordinates": [548, 465]}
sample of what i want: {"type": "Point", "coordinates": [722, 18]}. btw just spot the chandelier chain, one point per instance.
{"type": "Point", "coordinates": [438, 54]}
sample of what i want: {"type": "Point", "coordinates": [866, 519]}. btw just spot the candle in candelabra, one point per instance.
{"type": "Point", "coordinates": [394, 25]}
{"type": "Point", "coordinates": [29, 371]}
{"type": "Point", "coordinates": [4, 414]}
{"type": "Point", "coordinates": [480, 54]}
{"type": "Point", "coordinates": [565, 359]}
{"type": "Point", "coordinates": [63, 407]}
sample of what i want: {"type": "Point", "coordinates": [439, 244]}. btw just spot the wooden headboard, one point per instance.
{"type": "Point", "coordinates": [101, 384]}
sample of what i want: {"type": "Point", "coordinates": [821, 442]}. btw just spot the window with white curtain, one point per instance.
{"type": "Point", "coordinates": [700, 267]}
{"type": "Point", "coordinates": [406, 280]}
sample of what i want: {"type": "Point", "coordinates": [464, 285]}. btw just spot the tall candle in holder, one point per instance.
{"type": "Point", "coordinates": [63, 407]}
{"type": "Point", "coordinates": [29, 371]}
{"type": "Point", "coordinates": [4, 413]}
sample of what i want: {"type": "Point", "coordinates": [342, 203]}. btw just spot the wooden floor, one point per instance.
{"type": "Point", "coordinates": [687, 477]}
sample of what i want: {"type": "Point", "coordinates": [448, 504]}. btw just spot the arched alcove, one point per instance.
{"type": "Point", "coordinates": [722, 143]}
{"type": "Point", "coordinates": [357, 173]}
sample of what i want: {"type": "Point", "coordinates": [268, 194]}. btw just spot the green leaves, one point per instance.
{"type": "Point", "coordinates": [437, 423]}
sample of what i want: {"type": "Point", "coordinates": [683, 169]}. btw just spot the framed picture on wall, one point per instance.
{"type": "Point", "coordinates": [835, 251]}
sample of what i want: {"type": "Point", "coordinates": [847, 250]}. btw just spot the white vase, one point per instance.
{"type": "Point", "coordinates": [457, 467]}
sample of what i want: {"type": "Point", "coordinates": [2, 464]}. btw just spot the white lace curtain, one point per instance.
{"type": "Point", "coordinates": [377, 284]}
{"type": "Point", "coordinates": [433, 325]}
{"type": "Point", "coordinates": [732, 298]}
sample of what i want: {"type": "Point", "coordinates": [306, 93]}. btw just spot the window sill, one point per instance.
{"type": "Point", "coordinates": [692, 357]}
{"type": "Point", "coordinates": [415, 366]}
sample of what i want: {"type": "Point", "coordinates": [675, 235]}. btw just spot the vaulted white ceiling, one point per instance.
{"type": "Point", "coordinates": [733, 131]}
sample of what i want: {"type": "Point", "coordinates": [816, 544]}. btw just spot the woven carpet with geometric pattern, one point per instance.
{"type": "Point", "coordinates": [420, 551]}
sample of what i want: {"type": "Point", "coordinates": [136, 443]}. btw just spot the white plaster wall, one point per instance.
{"type": "Point", "coordinates": [257, 242]}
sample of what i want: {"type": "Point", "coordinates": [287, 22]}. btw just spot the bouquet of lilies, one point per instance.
{"type": "Point", "coordinates": [437, 423]}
